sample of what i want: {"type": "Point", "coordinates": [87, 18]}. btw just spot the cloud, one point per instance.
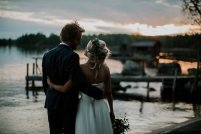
{"type": "Point", "coordinates": [10, 28]}
{"type": "Point", "coordinates": [127, 11]}
{"type": "Point", "coordinates": [92, 26]}
{"type": "Point", "coordinates": [169, 3]}
{"type": "Point", "coordinates": [147, 17]}
{"type": "Point", "coordinates": [32, 17]}
{"type": "Point", "coordinates": [165, 29]}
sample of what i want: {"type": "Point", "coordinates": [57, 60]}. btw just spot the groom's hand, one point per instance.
{"type": "Point", "coordinates": [99, 97]}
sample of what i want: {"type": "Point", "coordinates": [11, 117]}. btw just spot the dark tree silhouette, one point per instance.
{"type": "Point", "coordinates": [193, 9]}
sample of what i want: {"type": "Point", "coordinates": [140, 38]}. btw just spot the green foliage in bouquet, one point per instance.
{"type": "Point", "coordinates": [121, 125]}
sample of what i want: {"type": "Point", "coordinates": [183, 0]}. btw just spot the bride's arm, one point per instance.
{"type": "Point", "coordinates": [61, 88]}
{"type": "Point", "coordinates": [108, 92]}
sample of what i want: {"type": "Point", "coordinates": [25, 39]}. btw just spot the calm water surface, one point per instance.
{"type": "Point", "coordinates": [24, 116]}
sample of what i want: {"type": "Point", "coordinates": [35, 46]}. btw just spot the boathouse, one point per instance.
{"type": "Point", "coordinates": [145, 50]}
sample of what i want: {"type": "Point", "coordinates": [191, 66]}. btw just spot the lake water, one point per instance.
{"type": "Point", "coordinates": [28, 116]}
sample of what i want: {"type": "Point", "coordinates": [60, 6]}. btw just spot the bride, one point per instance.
{"type": "Point", "coordinates": [93, 116]}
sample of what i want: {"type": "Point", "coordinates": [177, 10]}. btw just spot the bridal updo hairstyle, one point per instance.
{"type": "Point", "coordinates": [97, 52]}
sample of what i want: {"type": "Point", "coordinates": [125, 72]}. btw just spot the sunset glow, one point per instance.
{"type": "Point", "coordinates": [120, 18]}
{"type": "Point", "coordinates": [100, 26]}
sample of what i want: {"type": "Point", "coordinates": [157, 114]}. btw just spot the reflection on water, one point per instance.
{"type": "Point", "coordinates": [21, 115]}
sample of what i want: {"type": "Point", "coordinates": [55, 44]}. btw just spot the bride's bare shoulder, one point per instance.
{"type": "Point", "coordinates": [105, 66]}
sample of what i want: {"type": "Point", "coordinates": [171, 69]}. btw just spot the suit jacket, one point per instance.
{"type": "Point", "coordinates": [61, 64]}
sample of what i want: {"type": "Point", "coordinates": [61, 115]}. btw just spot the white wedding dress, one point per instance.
{"type": "Point", "coordinates": [93, 116]}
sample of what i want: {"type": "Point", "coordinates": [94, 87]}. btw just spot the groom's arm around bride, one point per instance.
{"type": "Point", "coordinates": [78, 79]}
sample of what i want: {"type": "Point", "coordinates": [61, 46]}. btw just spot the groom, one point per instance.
{"type": "Point", "coordinates": [61, 64]}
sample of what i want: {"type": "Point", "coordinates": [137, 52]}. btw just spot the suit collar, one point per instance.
{"type": "Point", "coordinates": [63, 43]}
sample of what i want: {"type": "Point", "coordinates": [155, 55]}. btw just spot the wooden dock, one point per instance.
{"type": "Point", "coordinates": [35, 76]}
{"type": "Point", "coordinates": [116, 79]}
{"type": "Point", "coordinates": [121, 78]}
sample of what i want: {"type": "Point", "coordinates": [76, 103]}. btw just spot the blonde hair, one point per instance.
{"type": "Point", "coordinates": [97, 52]}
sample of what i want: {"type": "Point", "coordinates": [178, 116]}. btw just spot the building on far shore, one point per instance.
{"type": "Point", "coordinates": [142, 51]}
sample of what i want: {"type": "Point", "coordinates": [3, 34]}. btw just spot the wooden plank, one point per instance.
{"type": "Point", "coordinates": [133, 96]}
{"type": "Point", "coordinates": [118, 78]}
{"type": "Point", "coordinates": [146, 78]}
{"type": "Point", "coordinates": [34, 77]}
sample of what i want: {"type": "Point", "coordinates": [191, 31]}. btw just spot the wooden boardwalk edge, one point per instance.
{"type": "Point", "coordinates": [125, 78]}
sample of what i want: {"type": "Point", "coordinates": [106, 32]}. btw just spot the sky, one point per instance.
{"type": "Point", "coordinates": [145, 17]}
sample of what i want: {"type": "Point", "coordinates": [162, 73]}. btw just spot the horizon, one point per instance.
{"type": "Point", "coordinates": [145, 17]}
{"type": "Point", "coordinates": [96, 34]}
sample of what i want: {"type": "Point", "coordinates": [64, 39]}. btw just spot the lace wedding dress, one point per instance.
{"type": "Point", "coordinates": [93, 116]}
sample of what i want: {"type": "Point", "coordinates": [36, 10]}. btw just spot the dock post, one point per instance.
{"type": "Point", "coordinates": [141, 106]}
{"type": "Point", "coordinates": [36, 62]}
{"type": "Point", "coordinates": [162, 96]}
{"type": "Point", "coordinates": [33, 83]}
{"type": "Point", "coordinates": [27, 82]}
{"type": "Point", "coordinates": [173, 90]}
{"type": "Point", "coordinates": [195, 100]}
{"type": "Point", "coordinates": [37, 67]}
{"type": "Point", "coordinates": [148, 88]}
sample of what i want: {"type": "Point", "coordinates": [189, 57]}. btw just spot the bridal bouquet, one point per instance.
{"type": "Point", "coordinates": [121, 125]}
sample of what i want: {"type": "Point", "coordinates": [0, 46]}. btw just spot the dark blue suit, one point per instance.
{"type": "Point", "coordinates": [61, 64]}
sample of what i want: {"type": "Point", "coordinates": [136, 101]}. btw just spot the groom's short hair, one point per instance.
{"type": "Point", "coordinates": [70, 31]}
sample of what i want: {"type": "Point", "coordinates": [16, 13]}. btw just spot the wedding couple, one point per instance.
{"type": "Point", "coordinates": [64, 79]}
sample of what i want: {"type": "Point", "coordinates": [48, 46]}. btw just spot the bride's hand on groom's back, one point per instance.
{"type": "Point", "coordinates": [48, 81]}
{"type": "Point", "coordinates": [98, 94]}
{"type": "Point", "coordinates": [99, 97]}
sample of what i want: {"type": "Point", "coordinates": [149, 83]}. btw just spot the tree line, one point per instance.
{"type": "Point", "coordinates": [114, 41]}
